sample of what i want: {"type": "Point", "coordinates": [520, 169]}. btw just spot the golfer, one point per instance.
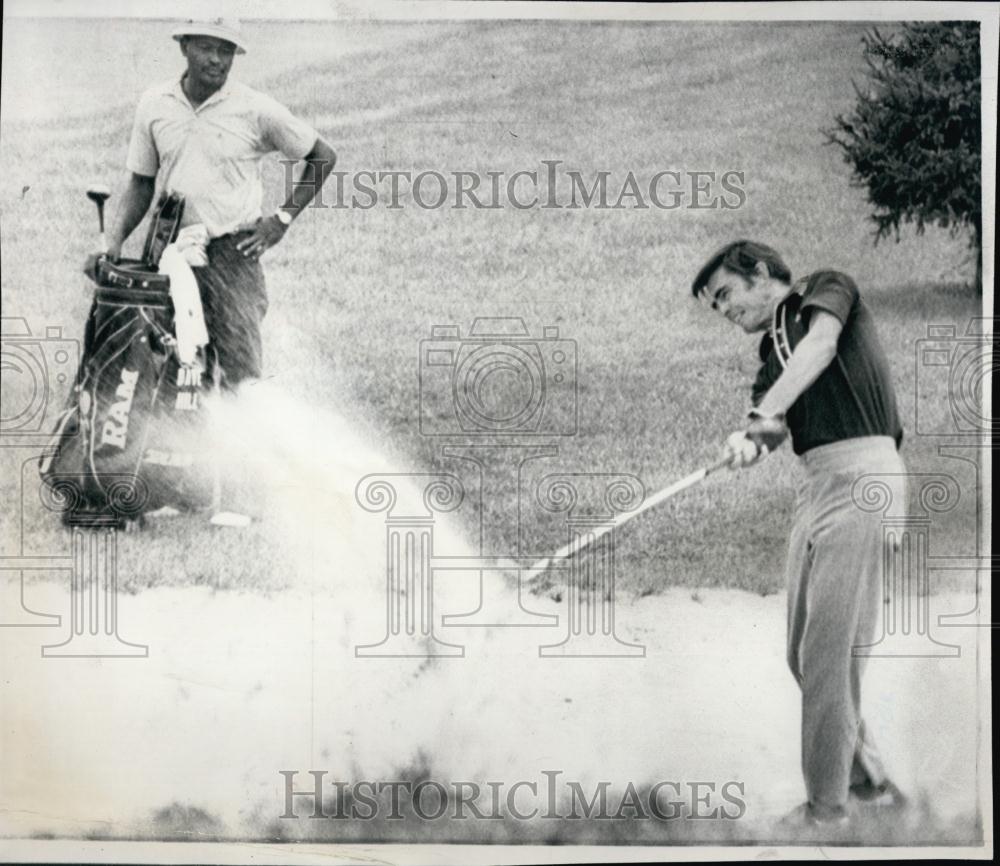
{"type": "Point", "coordinates": [824, 379]}
{"type": "Point", "coordinates": [203, 136]}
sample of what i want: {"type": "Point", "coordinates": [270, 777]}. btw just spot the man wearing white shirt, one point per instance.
{"type": "Point", "coordinates": [203, 136]}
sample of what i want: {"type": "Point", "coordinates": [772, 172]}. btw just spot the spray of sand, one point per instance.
{"type": "Point", "coordinates": [241, 685]}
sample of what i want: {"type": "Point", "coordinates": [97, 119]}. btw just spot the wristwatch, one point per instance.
{"type": "Point", "coordinates": [284, 217]}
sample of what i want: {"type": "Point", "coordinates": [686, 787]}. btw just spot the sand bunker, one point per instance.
{"type": "Point", "coordinates": [237, 686]}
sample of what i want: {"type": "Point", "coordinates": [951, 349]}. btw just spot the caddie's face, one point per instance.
{"type": "Point", "coordinates": [745, 302]}
{"type": "Point", "coordinates": [209, 59]}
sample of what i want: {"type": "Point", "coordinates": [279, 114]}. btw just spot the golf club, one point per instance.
{"type": "Point", "coordinates": [542, 564]}
{"type": "Point", "coordinates": [98, 195]}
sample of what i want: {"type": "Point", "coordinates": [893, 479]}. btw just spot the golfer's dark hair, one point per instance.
{"type": "Point", "coordinates": [742, 257]}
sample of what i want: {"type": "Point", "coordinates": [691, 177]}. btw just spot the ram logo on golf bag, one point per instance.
{"type": "Point", "coordinates": [116, 425]}
{"type": "Point", "coordinates": [131, 407]}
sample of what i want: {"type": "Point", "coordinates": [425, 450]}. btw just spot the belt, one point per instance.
{"type": "Point", "coordinates": [876, 453]}
{"type": "Point", "coordinates": [242, 229]}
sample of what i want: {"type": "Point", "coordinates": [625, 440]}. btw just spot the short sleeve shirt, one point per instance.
{"type": "Point", "coordinates": [212, 154]}
{"type": "Point", "coordinates": [854, 395]}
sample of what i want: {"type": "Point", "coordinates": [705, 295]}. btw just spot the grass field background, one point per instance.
{"type": "Point", "coordinates": [250, 633]}
{"type": "Point", "coordinates": [660, 380]}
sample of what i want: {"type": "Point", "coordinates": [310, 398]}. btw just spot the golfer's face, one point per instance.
{"type": "Point", "coordinates": [209, 59]}
{"type": "Point", "coordinates": [738, 299]}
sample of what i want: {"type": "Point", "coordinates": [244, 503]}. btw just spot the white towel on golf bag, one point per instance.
{"type": "Point", "coordinates": [176, 262]}
{"type": "Point", "coordinates": [191, 241]}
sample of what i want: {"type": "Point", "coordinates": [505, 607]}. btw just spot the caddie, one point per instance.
{"type": "Point", "coordinates": [204, 136]}
{"type": "Point", "coordinates": [824, 380]}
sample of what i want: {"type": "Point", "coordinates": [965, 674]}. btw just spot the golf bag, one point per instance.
{"type": "Point", "coordinates": [126, 441]}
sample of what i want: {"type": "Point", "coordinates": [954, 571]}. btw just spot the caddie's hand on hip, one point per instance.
{"type": "Point", "coordinates": [266, 233]}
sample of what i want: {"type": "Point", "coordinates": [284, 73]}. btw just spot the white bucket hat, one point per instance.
{"type": "Point", "coordinates": [227, 29]}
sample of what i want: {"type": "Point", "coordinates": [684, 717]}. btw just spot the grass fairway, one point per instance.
{"type": "Point", "coordinates": [659, 383]}
{"type": "Point", "coordinates": [253, 636]}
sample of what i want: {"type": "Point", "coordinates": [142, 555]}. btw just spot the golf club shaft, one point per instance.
{"type": "Point", "coordinates": [673, 489]}
{"type": "Point", "coordinates": [100, 223]}
{"type": "Point", "coordinates": [216, 466]}
{"type": "Point", "coordinates": [654, 500]}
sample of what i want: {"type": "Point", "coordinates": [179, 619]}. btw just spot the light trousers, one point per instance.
{"type": "Point", "coordinates": [835, 601]}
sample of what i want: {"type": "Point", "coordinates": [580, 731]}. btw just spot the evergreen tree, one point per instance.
{"type": "Point", "coordinates": [914, 137]}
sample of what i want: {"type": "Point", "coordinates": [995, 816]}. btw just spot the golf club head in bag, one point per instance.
{"type": "Point", "coordinates": [99, 195]}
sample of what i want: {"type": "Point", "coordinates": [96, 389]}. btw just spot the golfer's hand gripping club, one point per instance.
{"type": "Point", "coordinates": [761, 436]}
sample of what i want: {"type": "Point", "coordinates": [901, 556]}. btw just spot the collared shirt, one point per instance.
{"type": "Point", "coordinates": [212, 154]}
{"type": "Point", "coordinates": [854, 395]}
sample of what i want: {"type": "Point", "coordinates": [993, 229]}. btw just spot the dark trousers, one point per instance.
{"type": "Point", "coordinates": [234, 300]}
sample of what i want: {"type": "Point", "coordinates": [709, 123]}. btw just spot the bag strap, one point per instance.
{"type": "Point", "coordinates": [164, 228]}
{"type": "Point", "coordinates": [127, 281]}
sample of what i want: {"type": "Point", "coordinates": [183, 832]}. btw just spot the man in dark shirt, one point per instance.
{"type": "Point", "coordinates": [824, 379]}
